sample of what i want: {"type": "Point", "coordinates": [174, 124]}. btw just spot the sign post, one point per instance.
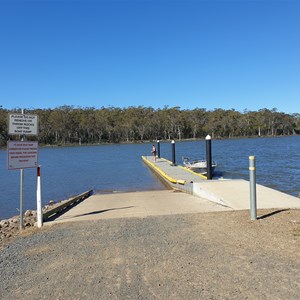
{"type": "Point", "coordinates": [22, 154]}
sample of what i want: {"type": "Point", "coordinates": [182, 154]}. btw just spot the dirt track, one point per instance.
{"type": "Point", "coordinates": [217, 255]}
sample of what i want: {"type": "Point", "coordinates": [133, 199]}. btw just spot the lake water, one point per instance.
{"type": "Point", "coordinates": [67, 171]}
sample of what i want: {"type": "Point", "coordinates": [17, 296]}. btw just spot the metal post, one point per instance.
{"type": "Point", "coordinates": [39, 199]}
{"type": "Point", "coordinates": [173, 153]}
{"type": "Point", "coordinates": [208, 157]}
{"type": "Point", "coordinates": [252, 171]}
{"type": "Point", "coordinates": [158, 149]}
{"type": "Point", "coordinates": [21, 188]}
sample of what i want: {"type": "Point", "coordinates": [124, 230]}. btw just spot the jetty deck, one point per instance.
{"type": "Point", "coordinates": [232, 193]}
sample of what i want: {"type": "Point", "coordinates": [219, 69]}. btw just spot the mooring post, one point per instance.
{"type": "Point", "coordinates": [252, 171]}
{"type": "Point", "coordinates": [158, 149]}
{"type": "Point", "coordinates": [173, 153]}
{"type": "Point", "coordinates": [208, 157]}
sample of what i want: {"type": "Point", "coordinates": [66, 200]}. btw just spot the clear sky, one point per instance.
{"type": "Point", "coordinates": [209, 54]}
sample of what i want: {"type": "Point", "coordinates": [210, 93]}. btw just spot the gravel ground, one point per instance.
{"type": "Point", "coordinates": [219, 255]}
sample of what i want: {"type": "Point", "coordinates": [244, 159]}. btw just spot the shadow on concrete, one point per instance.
{"type": "Point", "coordinates": [102, 211]}
{"type": "Point", "coordinates": [60, 214]}
{"type": "Point", "coordinates": [272, 213]}
{"type": "Point", "coordinates": [53, 218]}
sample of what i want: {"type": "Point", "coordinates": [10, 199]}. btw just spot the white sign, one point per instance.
{"type": "Point", "coordinates": [23, 124]}
{"type": "Point", "coordinates": [22, 155]}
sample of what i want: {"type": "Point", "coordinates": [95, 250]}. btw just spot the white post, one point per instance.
{"type": "Point", "coordinates": [252, 171]}
{"type": "Point", "coordinates": [39, 199]}
{"type": "Point", "coordinates": [21, 198]}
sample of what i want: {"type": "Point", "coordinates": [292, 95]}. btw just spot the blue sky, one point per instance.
{"type": "Point", "coordinates": [208, 54]}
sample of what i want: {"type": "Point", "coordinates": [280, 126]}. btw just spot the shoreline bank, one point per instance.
{"type": "Point", "coordinates": [161, 140]}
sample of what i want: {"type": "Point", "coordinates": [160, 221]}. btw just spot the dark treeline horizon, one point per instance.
{"type": "Point", "coordinates": [89, 125]}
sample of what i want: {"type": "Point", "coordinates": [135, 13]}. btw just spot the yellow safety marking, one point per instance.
{"type": "Point", "coordinates": [181, 182]}
{"type": "Point", "coordinates": [252, 168]}
{"type": "Point", "coordinates": [197, 174]}
{"type": "Point", "coordinates": [166, 160]}
{"type": "Point", "coordinates": [186, 169]}
{"type": "Point", "coordinates": [159, 170]}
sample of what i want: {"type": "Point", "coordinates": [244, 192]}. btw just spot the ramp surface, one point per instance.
{"type": "Point", "coordinates": [137, 204]}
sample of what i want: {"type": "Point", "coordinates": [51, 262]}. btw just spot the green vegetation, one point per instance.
{"type": "Point", "coordinates": [89, 125]}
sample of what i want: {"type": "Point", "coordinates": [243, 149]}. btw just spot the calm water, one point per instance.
{"type": "Point", "coordinates": [71, 170]}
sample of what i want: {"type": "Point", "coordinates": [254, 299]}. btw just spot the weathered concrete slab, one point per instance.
{"type": "Point", "coordinates": [236, 194]}
{"type": "Point", "coordinates": [137, 204]}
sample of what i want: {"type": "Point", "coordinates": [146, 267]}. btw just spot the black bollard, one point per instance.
{"type": "Point", "coordinates": [158, 149]}
{"type": "Point", "coordinates": [173, 153]}
{"type": "Point", "coordinates": [208, 157]}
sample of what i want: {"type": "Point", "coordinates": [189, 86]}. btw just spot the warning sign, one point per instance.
{"type": "Point", "coordinates": [22, 155]}
{"type": "Point", "coordinates": [23, 124]}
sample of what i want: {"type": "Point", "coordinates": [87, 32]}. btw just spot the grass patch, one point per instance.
{"type": "Point", "coordinates": [296, 232]}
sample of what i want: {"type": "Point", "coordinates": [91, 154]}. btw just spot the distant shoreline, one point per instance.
{"type": "Point", "coordinates": [151, 142]}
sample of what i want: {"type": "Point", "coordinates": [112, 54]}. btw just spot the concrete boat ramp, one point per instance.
{"type": "Point", "coordinates": [190, 193]}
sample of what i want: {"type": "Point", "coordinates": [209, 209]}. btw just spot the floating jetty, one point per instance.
{"type": "Point", "coordinates": [232, 193]}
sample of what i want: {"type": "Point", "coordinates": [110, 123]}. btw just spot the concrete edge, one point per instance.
{"type": "Point", "coordinates": [199, 192]}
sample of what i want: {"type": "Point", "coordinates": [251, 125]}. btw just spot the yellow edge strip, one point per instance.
{"type": "Point", "coordinates": [197, 174]}
{"type": "Point", "coordinates": [160, 171]}
{"type": "Point", "coordinates": [186, 169]}
{"type": "Point", "coordinates": [166, 160]}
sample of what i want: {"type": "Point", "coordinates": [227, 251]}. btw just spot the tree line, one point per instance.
{"type": "Point", "coordinates": [90, 125]}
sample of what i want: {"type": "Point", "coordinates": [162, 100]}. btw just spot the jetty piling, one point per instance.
{"type": "Point", "coordinates": [173, 153]}
{"type": "Point", "coordinates": [158, 149]}
{"type": "Point", "coordinates": [208, 157]}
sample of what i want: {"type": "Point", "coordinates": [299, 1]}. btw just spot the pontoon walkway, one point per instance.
{"type": "Point", "coordinates": [233, 193]}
